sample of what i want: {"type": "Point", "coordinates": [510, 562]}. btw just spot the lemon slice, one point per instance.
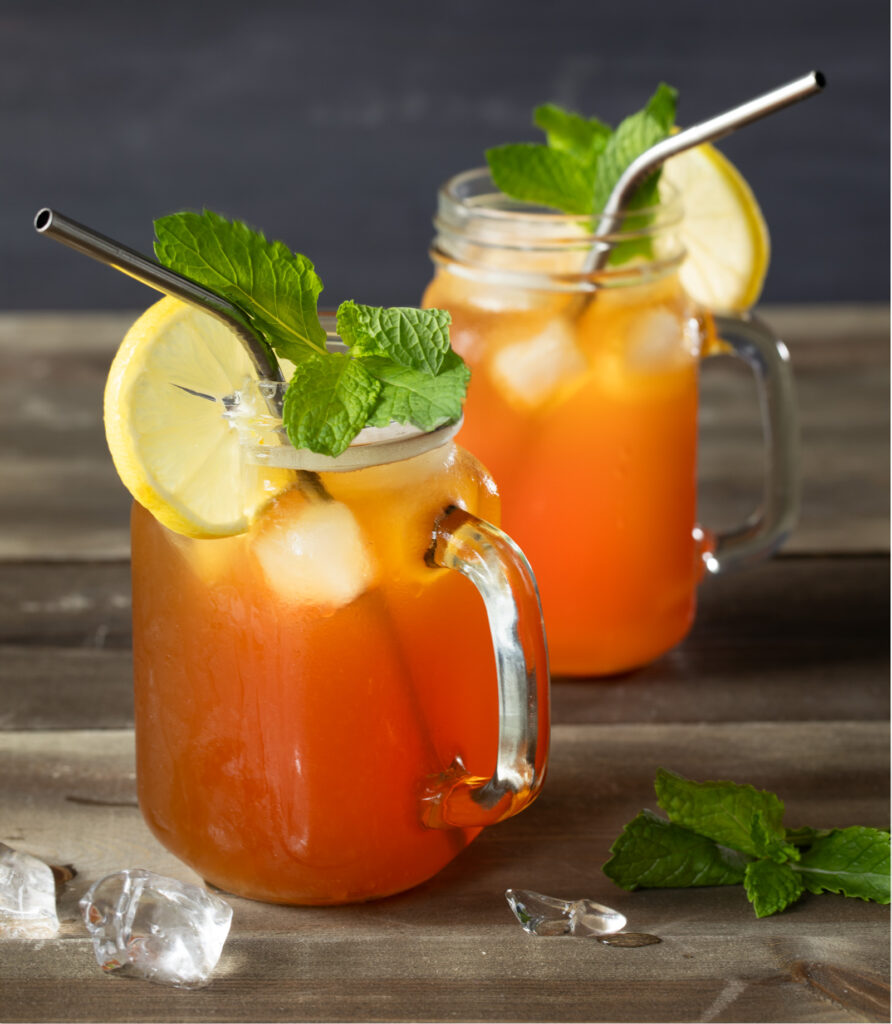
{"type": "Point", "coordinates": [723, 230]}
{"type": "Point", "coordinates": [170, 443]}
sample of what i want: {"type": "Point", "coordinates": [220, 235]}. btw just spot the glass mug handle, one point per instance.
{"type": "Point", "coordinates": [502, 575]}
{"type": "Point", "coordinates": [769, 525]}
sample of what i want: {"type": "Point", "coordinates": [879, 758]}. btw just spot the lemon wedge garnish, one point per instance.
{"type": "Point", "coordinates": [172, 446]}
{"type": "Point", "coordinates": [723, 230]}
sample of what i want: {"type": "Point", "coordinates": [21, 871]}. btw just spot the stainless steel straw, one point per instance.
{"type": "Point", "coordinates": [55, 225]}
{"type": "Point", "coordinates": [707, 131]}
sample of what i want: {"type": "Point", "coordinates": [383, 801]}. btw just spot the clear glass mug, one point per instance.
{"type": "Point", "coordinates": [583, 405]}
{"type": "Point", "coordinates": [319, 717]}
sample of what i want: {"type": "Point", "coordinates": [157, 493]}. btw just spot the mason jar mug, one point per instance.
{"type": "Point", "coordinates": [583, 405]}
{"type": "Point", "coordinates": [319, 714]}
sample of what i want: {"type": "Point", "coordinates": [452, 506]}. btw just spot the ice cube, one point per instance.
{"type": "Point", "coordinates": [658, 341]}
{"type": "Point", "coordinates": [146, 926]}
{"type": "Point", "coordinates": [530, 371]}
{"type": "Point", "coordinates": [316, 555]}
{"type": "Point", "coordinates": [27, 896]}
{"type": "Point", "coordinates": [548, 915]}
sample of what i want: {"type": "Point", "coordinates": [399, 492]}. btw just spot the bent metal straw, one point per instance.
{"type": "Point", "coordinates": [84, 240]}
{"type": "Point", "coordinates": [707, 131]}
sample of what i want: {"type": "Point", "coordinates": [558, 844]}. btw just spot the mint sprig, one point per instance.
{"type": "Point", "coordinates": [723, 833]}
{"type": "Point", "coordinates": [583, 159]}
{"type": "Point", "coordinates": [399, 365]}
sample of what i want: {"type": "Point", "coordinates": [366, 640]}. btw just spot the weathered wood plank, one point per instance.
{"type": "Point", "coordinates": [61, 498]}
{"type": "Point", "coordinates": [65, 604]}
{"type": "Point", "coordinates": [791, 639]}
{"type": "Point", "coordinates": [450, 949]}
{"type": "Point", "coordinates": [65, 688]}
{"type": "Point", "coordinates": [517, 984]}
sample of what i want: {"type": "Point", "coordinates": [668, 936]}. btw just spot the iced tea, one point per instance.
{"type": "Point", "coordinates": [302, 688]}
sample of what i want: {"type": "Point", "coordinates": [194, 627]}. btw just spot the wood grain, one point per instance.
{"type": "Point", "coordinates": [450, 948]}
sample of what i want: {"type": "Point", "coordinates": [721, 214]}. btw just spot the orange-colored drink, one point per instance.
{"type": "Point", "coordinates": [304, 689]}
{"type": "Point", "coordinates": [583, 406]}
{"type": "Point", "coordinates": [597, 467]}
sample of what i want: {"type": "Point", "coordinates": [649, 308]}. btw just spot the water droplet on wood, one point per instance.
{"type": "Point", "coordinates": [629, 940]}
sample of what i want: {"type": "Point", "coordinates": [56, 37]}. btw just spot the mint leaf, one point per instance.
{"type": "Point", "coordinates": [328, 402]}
{"type": "Point", "coordinates": [410, 396]}
{"type": "Point", "coordinates": [662, 105]}
{"type": "Point", "coordinates": [723, 811]}
{"type": "Point", "coordinates": [583, 138]}
{"type": "Point", "coordinates": [771, 887]}
{"type": "Point", "coordinates": [851, 861]}
{"type": "Point", "coordinates": [654, 853]}
{"type": "Point", "coordinates": [767, 843]}
{"type": "Point", "coordinates": [275, 288]}
{"type": "Point", "coordinates": [805, 836]}
{"type": "Point", "coordinates": [414, 338]}
{"type": "Point", "coordinates": [538, 174]}
{"type": "Point", "coordinates": [632, 137]}
{"type": "Point", "coordinates": [710, 817]}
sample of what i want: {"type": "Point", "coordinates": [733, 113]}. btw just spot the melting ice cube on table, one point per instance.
{"type": "Point", "coordinates": [27, 896]}
{"type": "Point", "coordinates": [547, 915]}
{"type": "Point", "coordinates": [147, 926]}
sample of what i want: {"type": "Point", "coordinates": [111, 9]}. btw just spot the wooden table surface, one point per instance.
{"type": "Point", "coordinates": [784, 683]}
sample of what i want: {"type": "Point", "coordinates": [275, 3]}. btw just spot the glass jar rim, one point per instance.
{"type": "Point", "coordinates": [494, 208]}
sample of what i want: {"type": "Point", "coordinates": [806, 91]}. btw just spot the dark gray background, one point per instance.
{"type": "Point", "coordinates": [331, 124]}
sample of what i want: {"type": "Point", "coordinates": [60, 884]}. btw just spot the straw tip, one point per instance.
{"type": "Point", "coordinates": [820, 78]}
{"type": "Point", "coordinates": [43, 218]}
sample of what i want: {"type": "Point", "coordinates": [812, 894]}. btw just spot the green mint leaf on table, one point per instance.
{"type": "Point", "coordinates": [771, 887]}
{"type": "Point", "coordinates": [328, 402]}
{"type": "Point", "coordinates": [723, 811]}
{"type": "Point", "coordinates": [851, 861]}
{"type": "Point", "coordinates": [538, 174]}
{"type": "Point", "coordinates": [768, 844]}
{"type": "Point", "coordinates": [805, 836]}
{"type": "Point", "coordinates": [414, 338]}
{"type": "Point", "coordinates": [276, 288]}
{"type": "Point", "coordinates": [653, 853]}
{"type": "Point", "coordinates": [411, 396]}
{"type": "Point", "coordinates": [723, 832]}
